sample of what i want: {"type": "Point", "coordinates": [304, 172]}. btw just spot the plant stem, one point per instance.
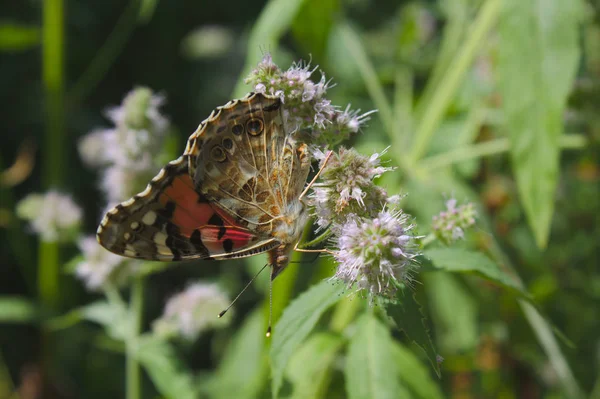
{"type": "Point", "coordinates": [369, 75]}
{"type": "Point", "coordinates": [452, 79]}
{"type": "Point", "coordinates": [53, 162]}
{"type": "Point", "coordinates": [53, 76]}
{"type": "Point", "coordinates": [107, 54]}
{"type": "Point", "coordinates": [344, 313]}
{"type": "Point", "coordinates": [136, 307]}
{"type": "Point", "coordinates": [491, 147]}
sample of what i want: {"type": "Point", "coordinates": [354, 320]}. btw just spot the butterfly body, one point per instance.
{"type": "Point", "coordinates": [235, 192]}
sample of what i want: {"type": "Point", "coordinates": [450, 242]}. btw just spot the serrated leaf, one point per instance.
{"type": "Point", "coordinates": [243, 366]}
{"type": "Point", "coordinates": [168, 373]}
{"type": "Point", "coordinates": [408, 316]}
{"type": "Point", "coordinates": [18, 310]}
{"type": "Point", "coordinates": [309, 369]}
{"type": "Point", "coordinates": [454, 312]}
{"type": "Point", "coordinates": [414, 375]}
{"type": "Point", "coordinates": [459, 260]}
{"type": "Point", "coordinates": [297, 321]}
{"type": "Point", "coordinates": [371, 371]}
{"type": "Point", "coordinates": [538, 58]}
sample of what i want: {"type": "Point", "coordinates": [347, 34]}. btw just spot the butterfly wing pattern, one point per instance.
{"type": "Point", "coordinates": [234, 193]}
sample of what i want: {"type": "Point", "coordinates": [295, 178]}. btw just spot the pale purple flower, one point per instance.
{"type": "Point", "coordinates": [130, 150]}
{"type": "Point", "coordinates": [450, 225]}
{"type": "Point", "coordinates": [346, 187]}
{"type": "Point", "coordinates": [376, 255]}
{"type": "Point", "coordinates": [306, 109]}
{"type": "Point", "coordinates": [193, 311]}
{"type": "Point", "coordinates": [100, 266]}
{"type": "Point", "coordinates": [53, 215]}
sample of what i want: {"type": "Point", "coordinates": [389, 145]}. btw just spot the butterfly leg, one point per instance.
{"type": "Point", "coordinates": [312, 250]}
{"type": "Point", "coordinates": [317, 175]}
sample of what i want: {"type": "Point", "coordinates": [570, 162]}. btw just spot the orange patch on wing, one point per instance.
{"type": "Point", "coordinates": [191, 213]}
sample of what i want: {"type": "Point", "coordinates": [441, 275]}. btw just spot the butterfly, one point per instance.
{"type": "Point", "coordinates": [235, 192]}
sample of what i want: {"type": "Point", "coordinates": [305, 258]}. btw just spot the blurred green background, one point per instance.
{"type": "Point", "coordinates": [444, 76]}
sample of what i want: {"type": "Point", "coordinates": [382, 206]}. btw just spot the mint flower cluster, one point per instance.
{"type": "Point", "coordinates": [450, 225]}
{"type": "Point", "coordinates": [54, 216]}
{"type": "Point", "coordinates": [193, 311]}
{"type": "Point", "coordinates": [306, 110]}
{"type": "Point", "coordinates": [347, 187]}
{"type": "Point", "coordinates": [372, 239]}
{"type": "Point", "coordinates": [129, 152]}
{"type": "Point", "coordinates": [377, 255]}
{"type": "Point", "coordinates": [128, 156]}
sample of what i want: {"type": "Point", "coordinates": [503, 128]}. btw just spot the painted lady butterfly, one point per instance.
{"type": "Point", "coordinates": [236, 191]}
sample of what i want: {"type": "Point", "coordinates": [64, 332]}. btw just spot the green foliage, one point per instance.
{"type": "Point", "coordinates": [538, 59]}
{"type": "Point", "coordinates": [492, 102]}
{"type": "Point", "coordinates": [458, 260]}
{"type": "Point", "coordinates": [14, 37]}
{"type": "Point", "coordinates": [371, 370]}
{"type": "Point", "coordinates": [408, 316]}
{"type": "Point", "coordinates": [242, 370]}
{"type": "Point", "coordinates": [297, 322]}
{"type": "Point", "coordinates": [17, 310]}
{"type": "Point", "coordinates": [310, 368]}
{"type": "Point", "coordinates": [165, 368]}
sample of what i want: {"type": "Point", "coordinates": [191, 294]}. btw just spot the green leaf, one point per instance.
{"type": "Point", "coordinates": [310, 368]}
{"type": "Point", "coordinates": [243, 368]}
{"type": "Point", "coordinates": [17, 310]}
{"type": "Point", "coordinates": [113, 319]}
{"type": "Point", "coordinates": [371, 370]}
{"type": "Point", "coordinates": [414, 375]}
{"type": "Point", "coordinates": [147, 8]}
{"type": "Point", "coordinates": [15, 37]}
{"type": "Point", "coordinates": [297, 321]}
{"type": "Point", "coordinates": [275, 18]}
{"type": "Point", "coordinates": [312, 26]}
{"type": "Point", "coordinates": [538, 58]}
{"type": "Point", "coordinates": [454, 312]}
{"type": "Point", "coordinates": [170, 376]}
{"type": "Point", "coordinates": [460, 260]}
{"type": "Point", "coordinates": [409, 317]}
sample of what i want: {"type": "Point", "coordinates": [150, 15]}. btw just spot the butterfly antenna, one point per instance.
{"type": "Point", "coordinates": [241, 292]}
{"type": "Point", "coordinates": [268, 334]}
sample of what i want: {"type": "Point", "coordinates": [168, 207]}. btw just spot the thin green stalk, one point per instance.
{"type": "Point", "coordinates": [53, 165]}
{"type": "Point", "coordinates": [53, 161]}
{"type": "Point", "coordinates": [344, 313]}
{"type": "Point", "coordinates": [541, 328]}
{"type": "Point", "coordinates": [369, 75]}
{"type": "Point", "coordinates": [48, 274]}
{"type": "Point", "coordinates": [403, 105]}
{"type": "Point", "coordinates": [548, 341]}
{"type": "Point", "coordinates": [107, 54]}
{"type": "Point", "coordinates": [452, 79]}
{"type": "Point", "coordinates": [136, 307]}
{"type": "Point", "coordinates": [451, 39]}
{"type": "Point", "coordinates": [491, 147]}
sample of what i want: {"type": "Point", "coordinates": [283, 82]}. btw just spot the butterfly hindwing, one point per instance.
{"type": "Point", "coordinates": [170, 220]}
{"type": "Point", "coordinates": [242, 159]}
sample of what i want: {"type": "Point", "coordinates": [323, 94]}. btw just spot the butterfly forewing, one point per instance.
{"type": "Point", "coordinates": [234, 193]}
{"type": "Point", "coordinates": [170, 220]}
